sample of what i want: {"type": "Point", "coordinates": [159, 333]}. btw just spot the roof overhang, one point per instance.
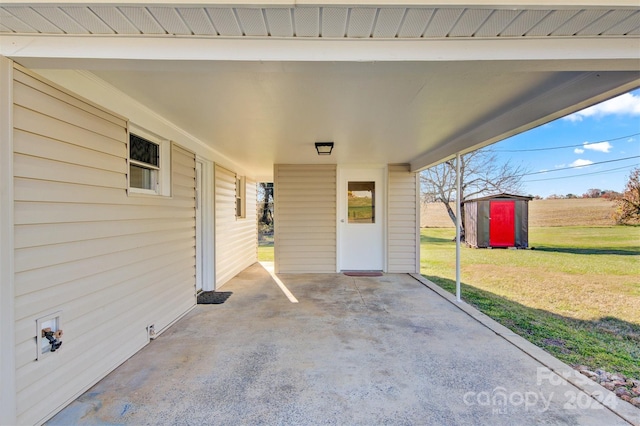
{"type": "Point", "coordinates": [259, 83]}
{"type": "Point", "coordinates": [500, 197]}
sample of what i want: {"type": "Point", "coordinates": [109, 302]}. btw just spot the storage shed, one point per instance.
{"type": "Point", "coordinates": [497, 221]}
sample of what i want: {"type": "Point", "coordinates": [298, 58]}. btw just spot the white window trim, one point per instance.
{"type": "Point", "coordinates": [241, 193]}
{"type": "Point", "coordinates": [164, 171]}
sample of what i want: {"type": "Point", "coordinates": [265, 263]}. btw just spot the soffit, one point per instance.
{"type": "Point", "coordinates": [332, 21]}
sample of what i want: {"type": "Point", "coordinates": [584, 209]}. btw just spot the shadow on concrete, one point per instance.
{"type": "Point", "coordinates": [350, 351]}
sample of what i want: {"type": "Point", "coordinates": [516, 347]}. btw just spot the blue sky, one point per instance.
{"type": "Point", "coordinates": [603, 132]}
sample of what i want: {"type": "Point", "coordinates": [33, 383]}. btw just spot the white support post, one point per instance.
{"type": "Point", "coordinates": [458, 200]}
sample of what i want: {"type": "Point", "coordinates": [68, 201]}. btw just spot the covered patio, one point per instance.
{"type": "Point", "coordinates": [132, 136]}
{"type": "Point", "coordinates": [352, 350]}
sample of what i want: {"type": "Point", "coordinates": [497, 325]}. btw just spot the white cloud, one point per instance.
{"type": "Point", "coordinates": [581, 163]}
{"type": "Point", "coordinates": [559, 166]}
{"type": "Point", "coordinates": [600, 146]}
{"type": "Point", "coordinates": [578, 151]}
{"type": "Point", "coordinates": [627, 104]}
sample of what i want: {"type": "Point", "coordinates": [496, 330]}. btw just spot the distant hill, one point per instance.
{"type": "Point", "coordinates": [575, 211]}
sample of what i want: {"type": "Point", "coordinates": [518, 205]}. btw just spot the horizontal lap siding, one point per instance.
{"type": "Point", "coordinates": [305, 235]}
{"type": "Point", "coordinates": [112, 263]}
{"type": "Point", "coordinates": [403, 220]}
{"type": "Point", "coordinates": [236, 238]}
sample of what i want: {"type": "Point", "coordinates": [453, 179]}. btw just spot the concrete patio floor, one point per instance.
{"type": "Point", "coordinates": [353, 351]}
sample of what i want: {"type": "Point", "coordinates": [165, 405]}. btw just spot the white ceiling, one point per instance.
{"type": "Point", "coordinates": [412, 85]}
{"type": "Point", "coordinates": [268, 113]}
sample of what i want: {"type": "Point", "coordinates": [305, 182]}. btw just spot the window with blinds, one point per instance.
{"type": "Point", "coordinates": [144, 164]}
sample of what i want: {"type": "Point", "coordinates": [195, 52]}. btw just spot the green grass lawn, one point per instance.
{"type": "Point", "coordinates": [577, 295]}
{"type": "Point", "coordinates": [265, 252]}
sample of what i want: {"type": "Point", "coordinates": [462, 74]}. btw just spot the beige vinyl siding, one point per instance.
{"type": "Point", "coordinates": [7, 350]}
{"type": "Point", "coordinates": [305, 212]}
{"type": "Point", "coordinates": [111, 263]}
{"type": "Point", "coordinates": [236, 238]}
{"type": "Point", "coordinates": [403, 216]}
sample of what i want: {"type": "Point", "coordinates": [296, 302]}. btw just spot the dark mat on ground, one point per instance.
{"type": "Point", "coordinates": [213, 297]}
{"type": "Point", "coordinates": [363, 274]}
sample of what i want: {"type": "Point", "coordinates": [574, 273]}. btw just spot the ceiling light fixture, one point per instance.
{"type": "Point", "coordinates": [324, 148]}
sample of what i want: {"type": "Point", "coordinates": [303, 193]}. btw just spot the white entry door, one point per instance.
{"type": "Point", "coordinates": [361, 219]}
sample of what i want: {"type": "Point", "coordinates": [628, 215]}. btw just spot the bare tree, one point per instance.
{"type": "Point", "coordinates": [481, 174]}
{"type": "Point", "coordinates": [628, 205]}
{"type": "Point", "coordinates": [265, 200]}
{"type": "Point", "coordinates": [592, 193]}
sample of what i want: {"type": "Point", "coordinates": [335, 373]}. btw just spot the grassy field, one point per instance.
{"type": "Point", "coordinates": [576, 211]}
{"type": "Point", "coordinates": [576, 295]}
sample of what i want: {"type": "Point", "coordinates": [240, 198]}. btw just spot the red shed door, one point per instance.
{"type": "Point", "coordinates": [502, 230]}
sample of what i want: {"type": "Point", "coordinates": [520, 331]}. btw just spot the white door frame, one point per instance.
{"type": "Point", "coordinates": [341, 207]}
{"type": "Point", "coordinates": [199, 239]}
{"type": "Point", "coordinates": [205, 247]}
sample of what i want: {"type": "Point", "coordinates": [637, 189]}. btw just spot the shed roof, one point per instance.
{"type": "Point", "coordinates": [503, 196]}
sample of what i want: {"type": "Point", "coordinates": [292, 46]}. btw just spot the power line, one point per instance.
{"type": "Point", "coordinates": [565, 146]}
{"type": "Point", "coordinates": [600, 172]}
{"type": "Point", "coordinates": [577, 167]}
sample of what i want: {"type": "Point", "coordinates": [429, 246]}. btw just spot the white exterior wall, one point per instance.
{"type": "Point", "coordinates": [305, 212]}
{"type": "Point", "coordinates": [305, 218]}
{"type": "Point", "coordinates": [110, 262]}
{"type": "Point", "coordinates": [403, 231]}
{"type": "Point", "coordinates": [236, 241]}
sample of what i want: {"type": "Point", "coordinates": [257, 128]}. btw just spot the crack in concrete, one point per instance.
{"type": "Point", "coordinates": [357, 288]}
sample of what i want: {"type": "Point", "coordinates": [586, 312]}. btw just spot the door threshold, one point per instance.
{"type": "Point", "coordinates": [363, 273]}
